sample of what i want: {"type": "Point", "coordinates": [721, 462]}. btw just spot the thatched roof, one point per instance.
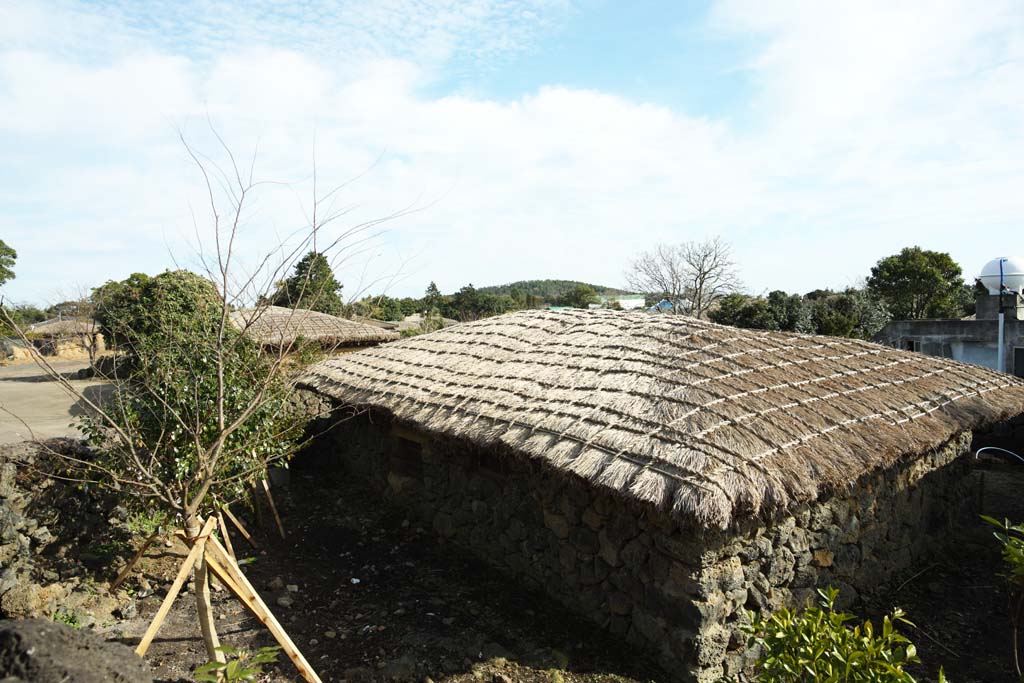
{"type": "Point", "coordinates": [64, 328]}
{"type": "Point", "coordinates": [713, 423]}
{"type": "Point", "coordinates": [277, 326]}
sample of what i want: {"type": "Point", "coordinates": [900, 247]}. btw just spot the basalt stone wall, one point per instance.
{"type": "Point", "coordinates": [677, 591]}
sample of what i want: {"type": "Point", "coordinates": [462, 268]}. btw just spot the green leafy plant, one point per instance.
{"type": "Point", "coordinates": [1011, 538]}
{"type": "Point", "coordinates": [67, 618]}
{"type": "Point", "coordinates": [241, 665]}
{"type": "Point", "coordinates": [820, 644]}
{"type": "Point", "coordinates": [145, 522]}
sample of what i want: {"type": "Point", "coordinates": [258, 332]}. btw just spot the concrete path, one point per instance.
{"type": "Point", "coordinates": [41, 403]}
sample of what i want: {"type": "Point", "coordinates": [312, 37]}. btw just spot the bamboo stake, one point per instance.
{"type": "Point", "coordinates": [225, 534]}
{"type": "Point", "coordinates": [241, 529]}
{"type": "Point", "coordinates": [251, 598]}
{"type": "Point", "coordinates": [135, 560]}
{"type": "Point", "coordinates": [273, 508]}
{"type": "Point", "coordinates": [179, 581]}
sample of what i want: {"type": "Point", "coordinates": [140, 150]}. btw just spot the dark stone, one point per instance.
{"type": "Point", "coordinates": [43, 651]}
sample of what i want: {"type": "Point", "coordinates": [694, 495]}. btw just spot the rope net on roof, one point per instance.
{"type": "Point", "coordinates": [713, 423]}
{"type": "Point", "coordinates": [278, 326]}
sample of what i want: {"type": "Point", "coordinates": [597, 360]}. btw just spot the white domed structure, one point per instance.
{"type": "Point", "coordinates": [1013, 274]}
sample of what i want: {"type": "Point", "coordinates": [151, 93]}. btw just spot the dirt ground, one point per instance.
{"type": "Point", "coordinates": [958, 602]}
{"type": "Point", "coordinates": [374, 598]}
{"type": "Point", "coordinates": [28, 398]}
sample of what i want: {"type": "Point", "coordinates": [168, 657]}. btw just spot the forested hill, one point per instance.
{"type": "Point", "coordinates": [548, 290]}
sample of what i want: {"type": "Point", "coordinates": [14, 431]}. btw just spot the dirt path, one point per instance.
{"type": "Point", "coordinates": [32, 404]}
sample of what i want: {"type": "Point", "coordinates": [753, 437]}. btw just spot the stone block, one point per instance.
{"type": "Point", "coordinates": [558, 524]}
{"type": "Point", "coordinates": [608, 550]}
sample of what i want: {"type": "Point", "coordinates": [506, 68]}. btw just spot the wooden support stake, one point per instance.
{"type": "Point", "coordinates": [224, 577]}
{"type": "Point", "coordinates": [135, 560]}
{"type": "Point", "coordinates": [226, 535]}
{"type": "Point", "coordinates": [251, 598]}
{"type": "Point", "coordinates": [241, 529]}
{"type": "Point", "coordinates": [179, 581]}
{"type": "Point", "coordinates": [273, 508]}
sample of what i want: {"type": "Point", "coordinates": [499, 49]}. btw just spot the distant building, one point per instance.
{"type": "Point", "coordinates": [972, 340]}
{"type": "Point", "coordinates": [663, 306]}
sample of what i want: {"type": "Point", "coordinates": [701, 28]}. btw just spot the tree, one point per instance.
{"type": "Point", "coordinates": [202, 411]}
{"type": "Point", "coordinates": [312, 286]}
{"type": "Point", "coordinates": [432, 297]}
{"type": "Point", "coordinates": [7, 258]}
{"type": "Point", "coordinates": [581, 296]}
{"type": "Point", "coordinates": [917, 283]}
{"type": "Point", "coordinates": [117, 302]}
{"type": "Point", "coordinates": [694, 276]}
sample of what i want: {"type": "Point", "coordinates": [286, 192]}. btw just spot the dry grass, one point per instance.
{"type": "Point", "coordinates": [713, 423]}
{"type": "Point", "coordinates": [276, 327]}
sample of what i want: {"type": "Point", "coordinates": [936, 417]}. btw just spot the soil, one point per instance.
{"type": "Point", "coordinates": [375, 598]}
{"type": "Point", "coordinates": [959, 602]}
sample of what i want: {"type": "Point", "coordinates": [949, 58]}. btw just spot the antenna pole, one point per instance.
{"type": "Point", "coordinates": [1000, 361]}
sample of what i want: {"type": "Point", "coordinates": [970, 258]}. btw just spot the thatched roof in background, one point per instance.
{"type": "Point", "coordinates": [64, 328]}
{"type": "Point", "coordinates": [277, 327]}
{"type": "Point", "coordinates": [711, 422]}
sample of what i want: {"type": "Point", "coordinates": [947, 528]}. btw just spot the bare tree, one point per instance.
{"type": "Point", "coordinates": [200, 411]}
{"type": "Point", "coordinates": [693, 276]}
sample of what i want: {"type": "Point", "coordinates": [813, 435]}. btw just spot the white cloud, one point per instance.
{"type": "Point", "coordinates": [873, 126]}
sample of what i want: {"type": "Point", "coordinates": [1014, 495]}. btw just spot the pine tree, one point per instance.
{"type": "Point", "coordinates": [7, 257]}
{"type": "Point", "coordinates": [313, 286]}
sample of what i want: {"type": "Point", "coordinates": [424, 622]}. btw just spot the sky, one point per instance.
{"type": "Point", "coordinates": [487, 141]}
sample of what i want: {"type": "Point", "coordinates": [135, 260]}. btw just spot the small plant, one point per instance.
{"type": "Point", "coordinates": [67, 618]}
{"type": "Point", "coordinates": [1011, 538]}
{"type": "Point", "coordinates": [241, 665]}
{"type": "Point", "coordinates": [146, 522]}
{"type": "Point", "coordinates": [819, 644]}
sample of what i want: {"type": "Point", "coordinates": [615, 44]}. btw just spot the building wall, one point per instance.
{"type": "Point", "coordinates": [676, 591]}
{"type": "Point", "coordinates": [970, 341]}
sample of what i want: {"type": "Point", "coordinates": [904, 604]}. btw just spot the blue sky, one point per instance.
{"type": "Point", "coordinates": [544, 138]}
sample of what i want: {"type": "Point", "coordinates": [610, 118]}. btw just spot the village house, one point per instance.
{"type": "Point", "coordinates": [662, 474]}
{"type": "Point", "coordinates": [277, 327]}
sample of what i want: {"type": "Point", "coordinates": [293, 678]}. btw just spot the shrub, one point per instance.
{"type": "Point", "coordinates": [819, 644]}
{"type": "Point", "coordinates": [241, 665]}
{"type": "Point", "coordinates": [1011, 538]}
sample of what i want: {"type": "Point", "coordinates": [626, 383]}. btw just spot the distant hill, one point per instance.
{"type": "Point", "coordinates": [549, 290]}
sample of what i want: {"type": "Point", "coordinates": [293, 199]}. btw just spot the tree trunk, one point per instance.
{"type": "Point", "coordinates": [203, 607]}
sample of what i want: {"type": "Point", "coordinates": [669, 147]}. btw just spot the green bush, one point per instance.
{"type": "Point", "coordinates": [200, 409]}
{"type": "Point", "coordinates": [1011, 538]}
{"type": "Point", "coordinates": [241, 665]}
{"type": "Point", "coordinates": [820, 644]}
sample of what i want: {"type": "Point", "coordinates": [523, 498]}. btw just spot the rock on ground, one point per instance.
{"type": "Point", "coordinates": [42, 651]}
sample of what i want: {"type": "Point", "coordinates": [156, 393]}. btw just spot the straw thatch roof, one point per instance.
{"type": "Point", "coordinates": [64, 328]}
{"type": "Point", "coordinates": [276, 326]}
{"type": "Point", "coordinates": [713, 423]}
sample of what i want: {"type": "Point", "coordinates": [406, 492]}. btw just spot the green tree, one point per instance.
{"type": "Point", "coordinates": [581, 296]}
{"type": "Point", "coordinates": [835, 316]}
{"type": "Point", "coordinates": [789, 311]}
{"type": "Point", "coordinates": [432, 297]}
{"type": "Point", "coordinates": [7, 258]}
{"type": "Point", "coordinates": [312, 286]}
{"type": "Point", "coordinates": [917, 283]}
{"type": "Point", "coordinates": [729, 310]}
{"type": "Point", "coordinates": [385, 308]}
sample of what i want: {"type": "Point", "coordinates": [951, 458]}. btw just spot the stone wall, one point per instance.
{"type": "Point", "coordinates": [679, 592]}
